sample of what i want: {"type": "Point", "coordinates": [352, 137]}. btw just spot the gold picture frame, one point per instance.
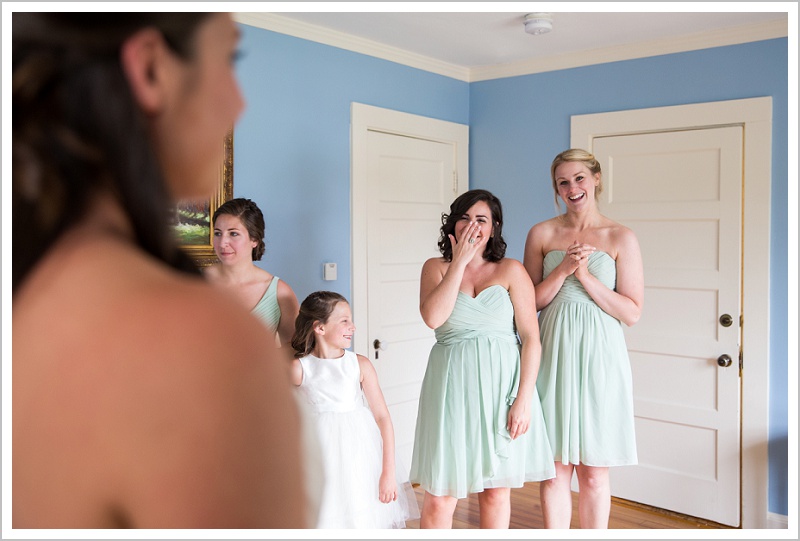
{"type": "Point", "coordinates": [194, 231]}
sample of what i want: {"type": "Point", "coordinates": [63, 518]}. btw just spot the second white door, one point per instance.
{"type": "Point", "coordinates": [681, 192]}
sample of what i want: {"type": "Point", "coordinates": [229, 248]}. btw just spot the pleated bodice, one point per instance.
{"type": "Point", "coordinates": [489, 314]}
{"type": "Point", "coordinates": [601, 265]}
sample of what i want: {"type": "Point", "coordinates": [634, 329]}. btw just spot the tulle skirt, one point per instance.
{"type": "Point", "coordinates": [352, 450]}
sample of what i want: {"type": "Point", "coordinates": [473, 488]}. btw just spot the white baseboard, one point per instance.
{"type": "Point", "coordinates": [777, 522]}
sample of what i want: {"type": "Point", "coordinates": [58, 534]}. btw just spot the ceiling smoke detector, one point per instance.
{"type": "Point", "coordinates": [538, 23]}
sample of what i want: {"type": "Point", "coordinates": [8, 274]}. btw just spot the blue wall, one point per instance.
{"type": "Point", "coordinates": [292, 143]}
{"type": "Point", "coordinates": [292, 151]}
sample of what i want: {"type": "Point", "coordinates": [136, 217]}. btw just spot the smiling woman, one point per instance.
{"type": "Point", "coordinates": [192, 223]}
{"type": "Point", "coordinates": [587, 271]}
{"type": "Point", "coordinates": [479, 390]}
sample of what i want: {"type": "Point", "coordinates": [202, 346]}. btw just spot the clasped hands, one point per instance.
{"type": "Point", "coordinates": [577, 258]}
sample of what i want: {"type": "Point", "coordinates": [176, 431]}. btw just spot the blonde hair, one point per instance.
{"type": "Point", "coordinates": [576, 155]}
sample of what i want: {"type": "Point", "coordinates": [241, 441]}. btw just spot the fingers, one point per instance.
{"type": "Point", "coordinates": [470, 237]}
{"type": "Point", "coordinates": [581, 249]}
{"type": "Point", "coordinates": [579, 252]}
{"type": "Point", "coordinates": [471, 233]}
{"type": "Point", "coordinates": [517, 429]}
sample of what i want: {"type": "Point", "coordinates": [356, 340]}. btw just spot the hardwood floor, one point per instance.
{"type": "Point", "coordinates": [526, 513]}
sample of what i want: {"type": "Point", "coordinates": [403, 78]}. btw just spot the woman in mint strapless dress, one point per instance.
{"type": "Point", "coordinates": [587, 270]}
{"type": "Point", "coordinates": [239, 242]}
{"type": "Point", "coordinates": [480, 427]}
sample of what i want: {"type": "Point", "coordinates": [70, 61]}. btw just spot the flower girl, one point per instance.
{"type": "Point", "coordinates": [362, 488]}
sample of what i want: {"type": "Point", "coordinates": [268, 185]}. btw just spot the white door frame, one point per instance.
{"type": "Point", "coordinates": [363, 119]}
{"type": "Point", "coordinates": [755, 115]}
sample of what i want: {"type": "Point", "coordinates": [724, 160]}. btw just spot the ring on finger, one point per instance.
{"type": "Point", "coordinates": [472, 241]}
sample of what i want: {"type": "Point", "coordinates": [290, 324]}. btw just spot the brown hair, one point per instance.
{"type": "Point", "coordinates": [496, 246]}
{"type": "Point", "coordinates": [317, 307]}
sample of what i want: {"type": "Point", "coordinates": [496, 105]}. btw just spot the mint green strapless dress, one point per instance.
{"type": "Point", "coordinates": [267, 309]}
{"type": "Point", "coordinates": [461, 445]}
{"type": "Point", "coordinates": [585, 381]}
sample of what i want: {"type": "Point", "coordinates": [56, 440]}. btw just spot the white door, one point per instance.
{"type": "Point", "coordinates": [411, 184]}
{"type": "Point", "coordinates": [681, 192]}
{"type": "Point", "coordinates": [754, 117]}
{"type": "Point", "coordinates": [406, 179]}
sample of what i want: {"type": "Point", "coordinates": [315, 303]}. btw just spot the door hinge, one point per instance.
{"type": "Point", "coordinates": [741, 362]}
{"type": "Point", "coordinates": [455, 183]}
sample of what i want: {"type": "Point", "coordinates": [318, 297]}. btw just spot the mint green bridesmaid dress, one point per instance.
{"type": "Point", "coordinates": [461, 445]}
{"type": "Point", "coordinates": [585, 381]}
{"type": "Point", "coordinates": [267, 309]}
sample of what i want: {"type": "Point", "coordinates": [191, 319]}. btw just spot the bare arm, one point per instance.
{"type": "Point", "coordinates": [523, 297]}
{"type": "Point", "coordinates": [546, 288]}
{"type": "Point", "coordinates": [295, 372]}
{"type": "Point", "coordinates": [387, 491]}
{"type": "Point", "coordinates": [287, 301]}
{"type": "Point", "coordinates": [624, 303]}
{"type": "Point", "coordinates": [438, 291]}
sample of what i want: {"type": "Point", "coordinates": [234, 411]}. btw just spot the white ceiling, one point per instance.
{"type": "Point", "coordinates": [483, 45]}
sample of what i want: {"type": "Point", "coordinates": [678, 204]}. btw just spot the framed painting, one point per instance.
{"type": "Point", "coordinates": [193, 219]}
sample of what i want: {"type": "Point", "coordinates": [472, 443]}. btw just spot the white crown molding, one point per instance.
{"type": "Point", "coordinates": [689, 42]}
{"type": "Point", "coordinates": [298, 29]}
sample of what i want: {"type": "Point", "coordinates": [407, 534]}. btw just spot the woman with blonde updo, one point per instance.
{"type": "Point", "coordinates": [587, 270]}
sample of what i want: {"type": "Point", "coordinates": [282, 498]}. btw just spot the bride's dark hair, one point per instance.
{"type": "Point", "coordinates": [77, 130]}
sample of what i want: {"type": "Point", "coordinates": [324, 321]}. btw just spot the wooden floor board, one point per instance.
{"type": "Point", "coordinates": [526, 513]}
